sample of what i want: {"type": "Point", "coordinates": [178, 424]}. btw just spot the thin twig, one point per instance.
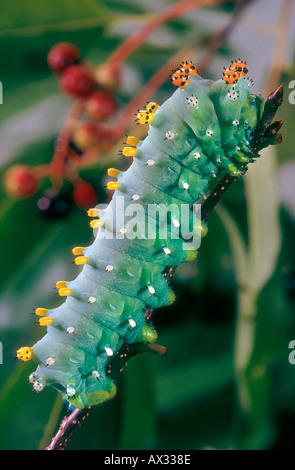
{"type": "Point", "coordinates": [67, 428]}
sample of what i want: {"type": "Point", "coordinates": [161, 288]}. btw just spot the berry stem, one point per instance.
{"type": "Point", "coordinates": [61, 151]}
{"type": "Point", "coordinates": [42, 171]}
{"type": "Point", "coordinates": [158, 19]}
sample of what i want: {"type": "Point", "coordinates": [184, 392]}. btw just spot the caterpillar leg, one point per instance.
{"type": "Point", "coordinates": [99, 389]}
{"type": "Point", "coordinates": [204, 229]}
{"type": "Point", "coordinates": [147, 335]}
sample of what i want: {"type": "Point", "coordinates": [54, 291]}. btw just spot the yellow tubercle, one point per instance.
{"type": "Point", "coordinates": [152, 107]}
{"type": "Point", "coordinates": [25, 353]}
{"type": "Point", "coordinates": [78, 250]}
{"type": "Point", "coordinates": [65, 291]}
{"type": "Point", "coordinates": [45, 321]}
{"type": "Point", "coordinates": [129, 151]}
{"type": "Point", "coordinates": [40, 312]}
{"type": "Point", "coordinates": [131, 140]}
{"type": "Point", "coordinates": [81, 260]}
{"type": "Point", "coordinates": [61, 284]}
{"type": "Point", "coordinates": [113, 172]}
{"type": "Point", "coordinates": [96, 223]}
{"type": "Point", "coordinates": [93, 212]}
{"type": "Point", "coordinates": [144, 117]}
{"type": "Point", "coordinates": [113, 185]}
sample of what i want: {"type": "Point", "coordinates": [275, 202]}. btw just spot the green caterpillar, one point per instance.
{"type": "Point", "coordinates": [201, 132]}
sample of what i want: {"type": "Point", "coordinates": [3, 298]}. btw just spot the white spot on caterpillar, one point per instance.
{"type": "Point", "coordinates": [70, 330]}
{"type": "Point", "coordinates": [249, 82]}
{"type": "Point", "coordinates": [171, 169]}
{"type": "Point", "coordinates": [151, 289]}
{"type": "Point", "coordinates": [130, 273]}
{"type": "Point", "coordinates": [170, 135]}
{"type": "Point", "coordinates": [135, 197]}
{"type": "Point", "coordinates": [90, 335]}
{"type": "Point", "coordinates": [74, 361]}
{"type": "Point", "coordinates": [32, 377]}
{"type": "Point", "coordinates": [197, 155]}
{"type": "Point", "coordinates": [109, 267]}
{"type": "Point", "coordinates": [109, 351]}
{"type": "Point", "coordinates": [209, 133]}
{"type": "Point", "coordinates": [167, 250]}
{"type": "Point", "coordinates": [95, 374]}
{"type": "Point", "coordinates": [150, 162]}
{"type": "Point", "coordinates": [113, 306]}
{"type": "Point", "coordinates": [50, 361]}
{"type": "Point", "coordinates": [185, 185]}
{"type": "Point", "coordinates": [132, 323]}
{"type": "Point", "coordinates": [233, 95]}
{"type": "Point", "coordinates": [236, 122]}
{"type": "Point", "coordinates": [71, 391]}
{"type": "Point", "coordinates": [38, 386]}
{"type": "Point", "coordinates": [193, 101]}
{"type": "Point", "coordinates": [91, 300]}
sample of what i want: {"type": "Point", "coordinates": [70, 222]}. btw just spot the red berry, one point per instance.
{"type": "Point", "coordinates": [89, 134]}
{"type": "Point", "coordinates": [63, 55]}
{"type": "Point", "coordinates": [84, 195]}
{"type": "Point", "coordinates": [77, 81]}
{"type": "Point", "coordinates": [107, 77]}
{"type": "Point", "coordinates": [20, 181]}
{"type": "Point", "coordinates": [100, 105]}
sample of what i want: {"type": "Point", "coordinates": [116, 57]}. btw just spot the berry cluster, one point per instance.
{"type": "Point", "coordinates": [92, 86]}
{"type": "Point", "coordinates": [92, 89]}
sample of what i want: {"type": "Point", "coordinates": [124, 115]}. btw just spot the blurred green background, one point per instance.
{"type": "Point", "coordinates": [226, 382]}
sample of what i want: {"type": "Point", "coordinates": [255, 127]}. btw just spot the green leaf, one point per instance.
{"type": "Point", "coordinates": [263, 219]}
{"type": "Point", "coordinates": [192, 380]}
{"type": "Point", "coordinates": [138, 411]}
{"type": "Point", "coordinates": [239, 249]}
{"type": "Point", "coordinates": [29, 18]}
